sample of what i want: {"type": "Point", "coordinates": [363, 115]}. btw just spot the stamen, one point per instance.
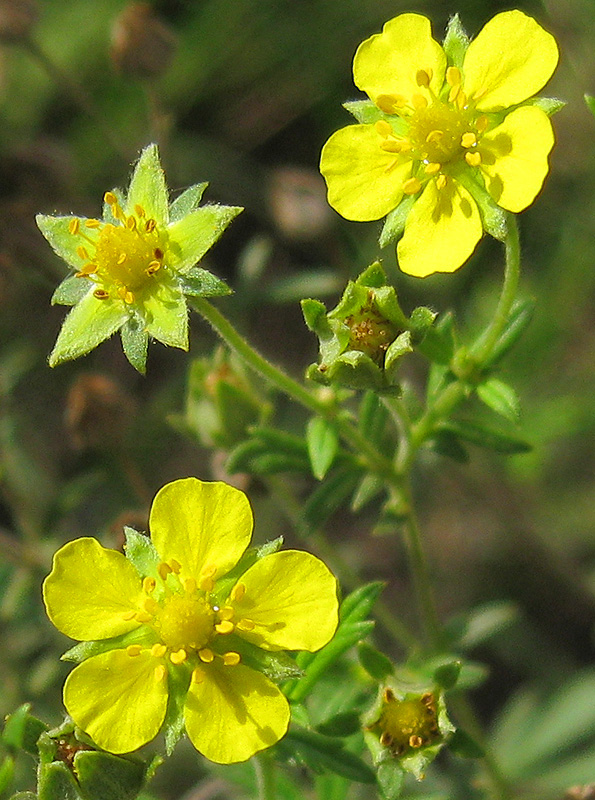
{"type": "Point", "coordinates": [454, 93]}
{"type": "Point", "coordinates": [189, 585]}
{"type": "Point", "coordinates": [386, 739]}
{"type": "Point", "coordinates": [198, 675]}
{"type": "Point", "coordinates": [74, 226]}
{"type": "Point", "coordinates": [441, 182]}
{"type": "Point", "coordinates": [462, 100]}
{"type": "Point", "coordinates": [179, 656]}
{"type": "Point", "coordinates": [88, 269]}
{"type": "Point", "coordinates": [391, 146]}
{"type": "Point", "coordinates": [423, 77]}
{"type": "Point", "coordinates": [383, 127]}
{"type": "Point", "coordinates": [415, 741]}
{"type": "Point", "coordinates": [128, 615]}
{"type": "Point", "coordinates": [224, 627]}
{"type": "Point", "coordinates": [131, 223]}
{"type": "Point", "coordinates": [206, 655]}
{"type": "Point", "coordinates": [158, 650]}
{"type": "Point", "coordinates": [453, 76]}
{"type": "Point", "coordinates": [149, 584]}
{"type": "Point", "coordinates": [231, 659]}
{"type": "Point", "coordinates": [432, 168]}
{"type": "Point", "coordinates": [226, 612]}
{"type": "Point", "coordinates": [122, 258]}
{"type": "Point", "coordinates": [206, 584]}
{"type": "Point", "coordinates": [160, 672]}
{"type": "Point", "coordinates": [150, 605]}
{"type": "Point", "coordinates": [481, 123]}
{"type": "Point", "coordinates": [158, 252]}
{"type": "Point", "coordinates": [245, 625]}
{"type": "Point", "coordinates": [468, 140]}
{"type": "Point", "coordinates": [419, 102]}
{"type": "Point", "coordinates": [388, 695]}
{"type": "Point", "coordinates": [82, 252]}
{"type": "Point", "coordinates": [128, 297]}
{"type": "Point", "coordinates": [164, 570]}
{"type": "Point", "coordinates": [390, 103]}
{"type": "Point", "coordinates": [143, 616]}
{"type": "Point", "coordinates": [92, 223]}
{"type": "Point", "coordinates": [139, 211]}
{"type": "Point", "coordinates": [110, 198]}
{"type": "Point", "coordinates": [238, 592]}
{"type": "Point", "coordinates": [101, 294]}
{"type": "Point", "coordinates": [473, 159]}
{"type": "Point", "coordinates": [411, 186]}
{"type": "Point", "coordinates": [175, 565]}
{"type": "Point", "coordinates": [150, 225]}
{"type": "Point", "coordinates": [134, 650]}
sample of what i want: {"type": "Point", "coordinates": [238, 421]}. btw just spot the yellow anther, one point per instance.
{"type": "Point", "coordinates": [198, 675]}
{"type": "Point", "coordinates": [88, 269]}
{"type": "Point", "coordinates": [453, 76]}
{"type": "Point", "coordinates": [179, 656]}
{"type": "Point", "coordinates": [209, 571]}
{"type": "Point", "coordinates": [226, 613]}
{"type": "Point", "coordinates": [150, 225]}
{"type": "Point", "coordinates": [128, 615]}
{"type": "Point", "coordinates": [462, 100]}
{"type": "Point", "coordinates": [149, 584]}
{"type": "Point", "coordinates": [383, 127]}
{"type": "Point", "coordinates": [150, 605]}
{"type": "Point", "coordinates": [419, 101]}
{"type": "Point", "coordinates": [164, 570]}
{"type": "Point", "coordinates": [160, 673]}
{"type": "Point", "coordinates": [122, 258]}
{"type": "Point", "coordinates": [131, 223]}
{"type": "Point", "coordinates": [189, 585]}
{"type": "Point", "coordinates": [481, 123]}
{"type": "Point", "coordinates": [423, 77]}
{"type": "Point", "coordinates": [415, 741]}
{"type": "Point", "coordinates": [434, 136]}
{"type": "Point", "coordinates": [158, 650]}
{"type": "Point", "coordinates": [175, 565]}
{"type": "Point", "coordinates": [110, 198]}
{"type": "Point", "coordinates": [134, 649]}
{"type": "Point", "coordinates": [224, 627]}
{"type": "Point", "coordinates": [206, 584]}
{"type": "Point", "coordinates": [432, 168]}
{"type": "Point", "coordinates": [92, 223]}
{"type": "Point", "coordinates": [100, 294]}
{"type": "Point", "coordinates": [143, 616]}
{"type": "Point", "coordinates": [390, 103]}
{"type": "Point", "coordinates": [454, 93]}
{"type": "Point", "coordinates": [231, 659]}
{"type": "Point", "coordinates": [206, 655]}
{"type": "Point", "coordinates": [391, 146]}
{"type": "Point", "coordinates": [238, 592]}
{"type": "Point", "coordinates": [411, 186]}
{"type": "Point", "coordinates": [139, 211]}
{"type": "Point", "coordinates": [74, 226]}
{"type": "Point", "coordinates": [245, 625]}
{"type": "Point", "coordinates": [441, 182]}
{"type": "Point", "coordinates": [82, 252]}
{"type": "Point", "coordinates": [468, 139]}
{"type": "Point", "coordinates": [473, 159]}
{"type": "Point", "coordinates": [128, 297]}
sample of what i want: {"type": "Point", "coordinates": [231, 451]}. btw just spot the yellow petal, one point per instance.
{"type": "Point", "coordinates": [441, 232]}
{"type": "Point", "coordinates": [90, 590]}
{"type": "Point", "coordinates": [117, 699]}
{"type": "Point", "coordinates": [515, 157]}
{"type": "Point", "coordinates": [364, 182]}
{"type": "Point", "coordinates": [201, 525]}
{"type": "Point", "coordinates": [388, 62]}
{"type": "Point", "coordinates": [291, 597]}
{"type": "Point", "coordinates": [234, 712]}
{"type": "Point", "coordinates": [511, 59]}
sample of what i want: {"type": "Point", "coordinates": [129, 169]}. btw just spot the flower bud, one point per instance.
{"type": "Point", "coordinates": [142, 46]}
{"type": "Point", "coordinates": [17, 18]}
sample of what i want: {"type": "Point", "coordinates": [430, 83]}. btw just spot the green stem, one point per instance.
{"type": "Point", "coordinates": [264, 767]}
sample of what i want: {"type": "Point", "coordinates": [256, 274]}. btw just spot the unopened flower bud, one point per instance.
{"type": "Point", "coordinates": [17, 18]}
{"type": "Point", "coordinates": [142, 46]}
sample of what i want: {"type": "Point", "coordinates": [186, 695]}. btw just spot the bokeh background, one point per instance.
{"type": "Point", "coordinates": [243, 94]}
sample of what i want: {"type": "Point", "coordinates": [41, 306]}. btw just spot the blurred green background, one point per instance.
{"type": "Point", "coordinates": [253, 90]}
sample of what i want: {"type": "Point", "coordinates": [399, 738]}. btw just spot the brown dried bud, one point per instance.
{"type": "Point", "coordinates": [17, 18]}
{"type": "Point", "coordinates": [142, 46]}
{"type": "Point", "coordinates": [98, 412]}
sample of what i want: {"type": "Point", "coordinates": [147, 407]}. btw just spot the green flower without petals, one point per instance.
{"type": "Point", "coordinates": [134, 267]}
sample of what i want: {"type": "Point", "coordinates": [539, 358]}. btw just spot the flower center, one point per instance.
{"type": "Point", "coordinates": [125, 256]}
{"type": "Point", "coordinates": [185, 621]}
{"type": "Point", "coordinates": [436, 133]}
{"type": "Point", "coordinates": [408, 724]}
{"type": "Point", "coordinates": [371, 333]}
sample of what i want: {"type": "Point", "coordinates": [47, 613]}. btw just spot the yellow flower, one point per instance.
{"type": "Point", "coordinates": [175, 634]}
{"type": "Point", "coordinates": [450, 134]}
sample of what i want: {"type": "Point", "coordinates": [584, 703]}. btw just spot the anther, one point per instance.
{"type": "Point", "coordinates": [158, 650]}
{"type": "Point", "coordinates": [134, 650]}
{"type": "Point", "coordinates": [189, 585]}
{"type": "Point", "coordinates": [481, 123]}
{"type": "Point", "coordinates": [175, 566]}
{"type": "Point", "coordinates": [82, 252]}
{"type": "Point", "coordinates": [150, 225]}
{"type": "Point", "coordinates": [198, 675]}
{"type": "Point", "coordinates": [390, 103]}
{"type": "Point", "coordinates": [131, 223]}
{"type": "Point", "coordinates": [231, 659]}
{"type": "Point", "coordinates": [432, 168]}
{"type": "Point", "coordinates": [164, 570]}
{"type": "Point", "coordinates": [92, 223]}
{"type": "Point", "coordinates": [423, 78]}
{"type": "Point", "coordinates": [473, 159]}
{"type": "Point", "coordinates": [110, 198]}
{"type": "Point", "coordinates": [87, 270]}
{"type": "Point", "coordinates": [143, 616]}
{"type": "Point", "coordinates": [101, 294]}
{"type": "Point", "coordinates": [206, 584]}
{"type": "Point", "coordinates": [206, 655]}
{"type": "Point", "coordinates": [128, 297]}
{"type": "Point", "coordinates": [179, 656]}
{"type": "Point", "coordinates": [238, 592]}
{"type": "Point", "coordinates": [462, 100]}
{"type": "Point", "coordinates": [415, 741]}
{"type": "Point", "coordinates": [122, 258]}
{"type": "Point", "coordinates": [411, 186]}
{"type": "Point", "coordinates": [453, 76]}
{"type": "Point", "coordinates": [74, 226]}
{"type": "Point", "coordinates": [419, 102]}
{"type": "Point", "coordinates": [391, 146]}
{"type": "Point", "coordinates": [226, 613]}
{"type": "Point", "coordinates": [150, 605]}
{"type": "Point", "coordinates": [149, 584]}
{"type": "Point", "coordinates": [383, 127]}
{"type": "Point", "coordinates": [388, 695]}
{"type": "Point", "coordinates": [139, 211]}
{"type": "Point", "coordinates": [441, 182]}
{"type": "Point", "coordinates": [386, 739]}
{"type": "Point", "coordinates": [245, 625]}
{"type": "Point", "coordinates": [224, 627]}
{"type": "Point", "coordinates": [158, 252]}
{"type": "Point", "coordinates": [468, 139]}
{"type": "Point", "coordinates": [160, 673]}
{"type": "Point", "coordinates": [454, 93]}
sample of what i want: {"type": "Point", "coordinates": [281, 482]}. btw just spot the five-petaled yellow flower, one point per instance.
{"type": "Point", "coordinates": [183, 633]}
{"type": "Point", "coordinates": [444, 134]}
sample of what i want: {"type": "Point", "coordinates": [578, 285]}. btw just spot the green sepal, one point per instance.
{"type": "Point", "coordinates": [464, 746]}
{"type": "Point", "coordinates": [199, 282]}
{"type": "Point", "coordinates": [174, 725]}
{"type": "Point", "coordinates": [446, 675]}
{"type": "Point", "coordinates": [346, 723]}
{"type": "Point", "coordinates": [275, 664]}
{"type": "Point", "coordinates": [194, 234]}
{"type": "Point", "coordinates": [485, 436]}
{"type": "Point", "coordinates": [103, 776]}
{"type": "Point", "coordinates": [325, 753]}
{"type": "Point", "coordinates": [225, 584]}
{"type": "Point", "coordinates": [353, 369]}
{"type": "Point", "coordinates": [400, 347]}
{"type": "Point", "coordinates": [323, 443]}
{"type": "Point", "coordinates": [376, 664]}
{"type": "Point", "coordinates": [188, 201]}
{"type": "Point", "coordinates": [365, 112]}
{"type": "Point", "coordinates": [83, 650]}
{"type": "Point", "coordinates": [440, 340]}
{"type": "Point", "coordinates": [551, 105]}
{"type": "Point", "coordinates": [22, 730]}
{"type": "Point", "coordinates": [24, 796]}
{"type": "Point", "coordinates": [56, 782]}
{"type": "Point", "coordinates": [373, 276]}
{"type": "Point", "coordinates": [135, 343]}
{"type": "Point", "coordinates": [57, 232]}
{"type": "Point", "coordinates": [70, 291]}
{"type": "Point", "coordinates": [493, 218]}
{"type": "Point", "coordinates": [501, 398]}
{"type": "Point", "coordinates": [394, 224]}
{"type": "Point", "coordinates": [166, 313]}
{"type": "Point", "coordinates": [315, 317]}
{"type": "Point", "coordinates": [420, 322]}
{"type": "Point", "coordinates": [140, 551]}
{"type": "Point", "coordinates": [455, 42]}
{"type": "Point", "coordinates": [390, 778]}
{"type": "Point", "coordinates": [148, 188]}
{"type": "Point", "coordinates": [519, 319]}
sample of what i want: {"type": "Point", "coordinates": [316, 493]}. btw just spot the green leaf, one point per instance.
{"type": "Point", "coordinates": [345, 723]}
{"type": "Point", "coordinates": [56, 782]}
{"type": "Point", "coordinates": [199, 282]}
{"type": "Point", "coordinates": [481, 624]}
{"type": "Point", "coordinates": [103, 776]}
{"type": "Point", "coordinates": [148, 188]}
{"type": "Point", "coordinates": [372, 417]}
{"type": "Point", "coordinates": [390, 779]}
{"type": "Point", "coordinates": [484, 436]}
{"type": "Point", "coordinates": [590, 101]}
{"type": "Point", "coordinates": [358, 605]}
{"type": "Point", "coordinates": [520, 316]}
{"type": "Point", "coordinates": [194, 234]}
{"type": "Point", "coordinates": [376, 664]}
{"type": "Point", "coordinates": [367, 489]}
{"type": "Point", "coordinates": [455, 42]}
{"type": "Point", "coordinates": [22, 730]}
{"type": "Point", "coordinates": [464, 746]}
{"type": "Point", "coordinates": [324, 751]}
{"type": "Point", "coordinates": [439, 343]}
{"type": "Point", "coordinates": [71, 290]}
{"type": "Point", "coordinates": [501, 398]}
{"type": "Point", "coordinates": [446, 675]}
{"type": "Point", "coordinates": [141, 552]}
{"type": "Point", "coordinates": [135, 342]}
{"type": "Point", "coordinates": [447, 444]}
{"type": "Point", "coordinates": [89, 323]}
{"type": "Point", "coordinates": [394, 225]}
{"type": "Point", "coordinates": [323, 443]}
{"type": "Point", "coordinates": [329, 496]}
{"type": "Point", "coordinates": [188, 201]}
{"type": "Point", "coordinates": [6, 775]}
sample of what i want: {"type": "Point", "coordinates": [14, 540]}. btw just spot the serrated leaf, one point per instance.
{"type": "Point", "coordinates": [484, 436]}
{"type": "Point", "coordinates": [501, 398]}
{"type": "Point", "coordinates": [323, 443]}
